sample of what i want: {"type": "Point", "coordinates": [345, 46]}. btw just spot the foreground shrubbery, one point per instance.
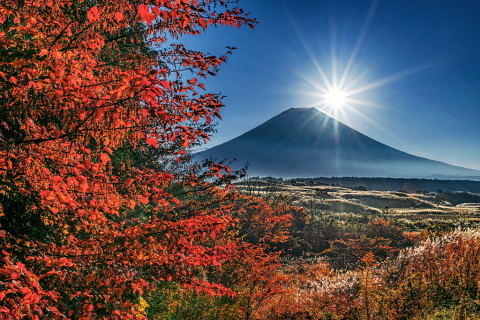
{"type": "Point", "coordinates": [437, 279]}
{"type": "Point", "coordinates": [98, 106]}
{"type": "Point", "coordinates": [345, 267]}
{"type": "Point", "coordinates": [439, 276]}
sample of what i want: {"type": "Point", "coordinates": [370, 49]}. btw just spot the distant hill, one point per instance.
{"type": "Point", "coordinates": [393, 184]}
{"type": "Point", "coordinates": [305, 142]}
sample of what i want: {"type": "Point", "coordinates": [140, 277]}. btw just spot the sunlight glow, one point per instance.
{"type": "Point", "coordinates": [340, 85]}
{"type": "Point", "coordinates": [339, 80]}
{"type": "Point", "coordinates": [335, 98]}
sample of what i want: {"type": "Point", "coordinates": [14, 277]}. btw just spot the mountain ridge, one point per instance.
{"type": "Point", "coordinates": [306, 142]}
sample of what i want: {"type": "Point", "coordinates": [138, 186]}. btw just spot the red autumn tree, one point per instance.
{"type": "Point", "coordinates": [88, 89]}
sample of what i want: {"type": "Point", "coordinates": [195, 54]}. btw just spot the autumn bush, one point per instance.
{"type": "Point", "coordinates": [361, 266]}
{"type": "Point", "coordinates": [265, 234]}
{"type": "Point", "coordinates": [313, 291]}
{"type": "Point", "coordinates": [99, 106]}
{"type": "Point", "coordinates": [438, 279]}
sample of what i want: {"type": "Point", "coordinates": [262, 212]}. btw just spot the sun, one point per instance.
{"type": "Point", "coordinates": [335, 98]}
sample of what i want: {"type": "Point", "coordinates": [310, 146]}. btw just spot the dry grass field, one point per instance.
{"type": "Point", "coordinates": [415, 211]}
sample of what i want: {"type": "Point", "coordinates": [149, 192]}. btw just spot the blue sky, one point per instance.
{"type": "Point", "coordinates": [414, 70]}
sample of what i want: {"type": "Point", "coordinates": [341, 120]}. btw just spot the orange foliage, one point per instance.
{"type": "Point", "coordinates": [261, 222]}
{"type": "Point", "coordinates": [80, 81]}
{"type": "Point", "coordinates": [439, 278]}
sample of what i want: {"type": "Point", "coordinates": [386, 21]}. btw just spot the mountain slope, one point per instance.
{"type": "Point", "coordinates": [305, 142]}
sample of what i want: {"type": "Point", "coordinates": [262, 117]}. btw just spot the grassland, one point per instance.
{"type": "Point", "coordinates": [413, 211]}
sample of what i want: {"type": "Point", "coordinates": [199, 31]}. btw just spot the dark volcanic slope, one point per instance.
{"type": "Point", "coordinates": [305, 142]}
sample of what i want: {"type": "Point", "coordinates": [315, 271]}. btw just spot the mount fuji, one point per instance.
{"type": "Point", "coordinates": [306, 142]}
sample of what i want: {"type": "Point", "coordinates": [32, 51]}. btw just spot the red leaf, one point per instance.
{"type": "Point", "coordinates": [104, 158]}
{"type": "Point", "coordinates": [132, 204]}
{"type": "Point", "coordinates": [93, 14]}
{"type": "Point", "coordinates": [152, 141]}
{"type": "Point", "coordinates": [165, 15]}
{"type": "Point", "coordinates": [4, 310]}
{"type": "Point", "coordinates": [166, 85]}
{"type": "Point", "coordinates": [143, 10]}
{"type": "Point", "coordinates": [57, 179]}
{"type": "Point", "coordinates": [118, 16]}
{"type": "Point", "coordinates": [145, 14]}
{"type": "Point", "coordinates": [21, 266]}
{"type": "Point", "coordinates": [202, 23]}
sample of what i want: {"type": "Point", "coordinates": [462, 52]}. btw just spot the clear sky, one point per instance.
{"type": "Point", "coordinates": [411, 69]}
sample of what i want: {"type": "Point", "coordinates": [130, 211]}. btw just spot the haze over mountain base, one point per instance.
{"type": "Point", "coordinates": [306, 142]}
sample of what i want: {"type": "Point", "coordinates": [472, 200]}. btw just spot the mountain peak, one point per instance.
{"type": "Point", "coordinates": [311, 110]}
